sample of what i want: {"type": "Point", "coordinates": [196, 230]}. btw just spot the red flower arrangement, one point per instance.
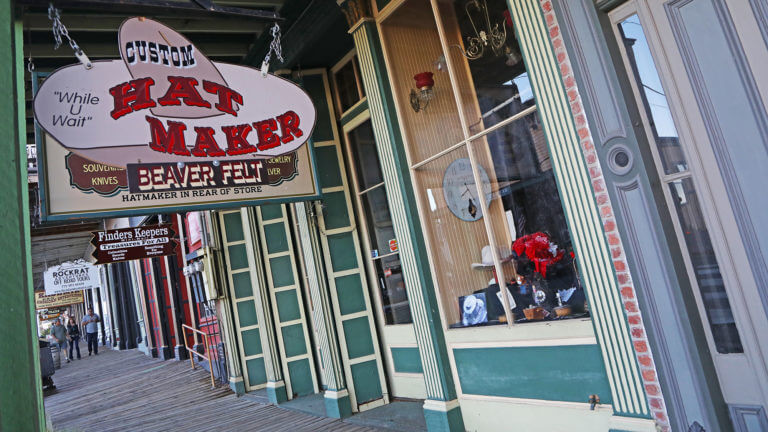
{"type": "Point", "coordinates": [539, 249]}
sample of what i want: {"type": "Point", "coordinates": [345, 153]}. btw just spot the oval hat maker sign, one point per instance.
{"type": "Point", "coordinates": [166, 102]}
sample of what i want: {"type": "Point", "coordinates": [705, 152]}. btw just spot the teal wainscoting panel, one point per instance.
{"type": "Point", "coordinates": [562, 373]}
{"type": "Point", "coordinates": [336, 215]}
{"type": "Point", "coordinates": [256, 372]}
{"type": "Point", "coordinates": [234, 225]}
{"type": "Point", "coordinates": [342, 247]}
{"type": "Point", "coordinates": [282, 271]}
{"type": "Point", "coordinates": [357, 333]}
{"type": "Point", "coordinates": [314, 85]}
{"type": "Point", "coordinates": [251, 342]}
{"type": "Point", "coordinates": [301, 377]}
{"type": "Point", "coordinates": [350, 293]}
{"type": "Point", "coordinates": [328, 173]}
{"type": "Point", "coordinates": [271, 211]}
{"type": "Point", "coordinates": [287, 305]}
{"type": "Point", "coordinates": [242, 284]}
{"type": "Point", "coordinates": [293, 339]}
{"type": "Point", "coordinates": [366, 378]}
{"type": "Point", "coordinates": [274, 236]}
{"type": "Point", "coordinates": [406, 360]}
{"type": "Point", "coordinates": [238, 258]}
{"type": "Point", "coordinates": [246, 312]}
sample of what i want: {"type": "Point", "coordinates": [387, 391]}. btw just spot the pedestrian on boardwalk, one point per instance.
{"type": "Point", "coordinates": [90, 323]}
{"type": "Point", "coordinates": [59, 333]}
{"type": "Point", "coordinates": [73, 331]}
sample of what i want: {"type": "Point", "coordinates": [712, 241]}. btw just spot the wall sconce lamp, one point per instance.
{"type": "Point", "coordinates": [424, 83]}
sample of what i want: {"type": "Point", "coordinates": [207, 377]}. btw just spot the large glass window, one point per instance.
{"type": "Point", "coordinates": [481, 167]}
{"type": "Point", "coordinates": [676, 177]}
{"type": "Point", "coordinates": [381, 241]}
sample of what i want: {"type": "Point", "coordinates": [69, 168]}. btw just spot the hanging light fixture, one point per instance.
{"type": "Point", "coordinates": [485, 36]}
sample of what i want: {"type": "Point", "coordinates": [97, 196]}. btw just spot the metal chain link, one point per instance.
{"type": "Point", "coordinates": [60, 30]}
{"type": "Point", "coordinates": [30, 63]}
{"type": "Point", "coordinates": [274, 46]}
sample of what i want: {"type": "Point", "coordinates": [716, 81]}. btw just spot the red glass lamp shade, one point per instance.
{"type": "Point", "coordinates": [424, 80]}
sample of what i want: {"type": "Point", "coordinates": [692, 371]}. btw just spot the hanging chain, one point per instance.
{"type": "Point", "coordinates": [30, 63]}
{"type": "Point", "coordinates": [274, 46]}
{"type": "Point", "coordinates": [60, 30]}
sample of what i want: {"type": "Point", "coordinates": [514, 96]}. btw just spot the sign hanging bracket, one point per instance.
{"type": "Point", "coordinates": [274, 46]}
{"type": "Point", "coordinates": [60, 30]}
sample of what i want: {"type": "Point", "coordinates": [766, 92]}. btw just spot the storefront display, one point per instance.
{"type": "Point", "coordinates": [481, 164]}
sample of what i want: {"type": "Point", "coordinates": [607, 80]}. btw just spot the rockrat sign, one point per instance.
{"type": "Point", "coordinates": [179, 129]}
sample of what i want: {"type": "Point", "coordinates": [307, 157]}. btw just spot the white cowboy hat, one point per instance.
{"type": "Point", "coordinates": [505, 255]}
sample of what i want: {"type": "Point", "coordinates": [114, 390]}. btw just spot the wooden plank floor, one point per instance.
{"type": "Point", "coordinates": [128, 391]}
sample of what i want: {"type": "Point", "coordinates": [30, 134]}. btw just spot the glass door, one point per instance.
{"type": "Point", "coordinates": [655, 39]}
{"type": "Point", "coordinates": [385, 272]}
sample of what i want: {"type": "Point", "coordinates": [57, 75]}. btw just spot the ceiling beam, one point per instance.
{"type": "Point", "coordinates": [77, 23]}
{"type": "Point", "coordinates": [156, 6]}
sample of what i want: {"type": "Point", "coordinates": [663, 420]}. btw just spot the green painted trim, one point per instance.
{"type": "Point", "coordinates": [276, 394]}
{"type": "Point", "coordinates": [21, 401]}
{"type": "Point", "coordinates": [353, 112]}
{"type": "Point", "coordinates": [437, 372]}
{"type": "Point", "coordinates": [559, 373]}
{"type": "Point", "coordinates": [581, 210]}
{"type": "Point", "coordinates": [444, 421]}
{"type": "Point", "coordinates": [338, 408]}
{"type": "Point", "coordinates": [406, 360]}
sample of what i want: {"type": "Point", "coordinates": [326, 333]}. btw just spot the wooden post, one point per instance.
{"type": "Point", "coordinates": [21, 400]}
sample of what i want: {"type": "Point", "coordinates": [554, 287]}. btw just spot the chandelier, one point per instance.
{"type": "Point", "coordinates": [485, 36]}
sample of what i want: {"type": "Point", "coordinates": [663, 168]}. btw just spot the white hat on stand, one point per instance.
{"type": "Point", "coordinates": [505, 255]}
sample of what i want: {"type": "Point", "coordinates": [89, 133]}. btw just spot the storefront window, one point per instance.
{"type": "Point", "coordinates": [489, 202]}
{"type": "Point", "coordinates": [381, 240]}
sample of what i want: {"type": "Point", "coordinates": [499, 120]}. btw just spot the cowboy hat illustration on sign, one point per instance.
{"type": "Point", "coordinates": [165, 102]}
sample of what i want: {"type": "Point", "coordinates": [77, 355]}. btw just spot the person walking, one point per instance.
{"type": "Point", "coordinates": [73, 331]}
{"type": "Point", "coordinates": [59, 333]}
{"type": "Point", "coordinates": [91, 326]}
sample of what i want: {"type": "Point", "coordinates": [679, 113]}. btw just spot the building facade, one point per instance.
{"type": "Point", "coordinates": [535, 215]}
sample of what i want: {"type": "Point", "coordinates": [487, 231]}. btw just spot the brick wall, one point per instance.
{"type": "Point", "coordinates": [634, 316]}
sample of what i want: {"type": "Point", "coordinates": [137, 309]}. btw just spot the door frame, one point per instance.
{"type": "Point", "coordinates": [407, 337]}
{"type": "Point", "coordinates": [705, 174]}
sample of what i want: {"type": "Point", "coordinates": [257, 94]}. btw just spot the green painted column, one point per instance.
{"type": "Point", "coordinates": [21, 400]}
{"type": "Point", "coordinates": [441, 409]}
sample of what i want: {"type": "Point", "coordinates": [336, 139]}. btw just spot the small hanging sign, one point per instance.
{"type": "Point", "coordinates": [71, 276]}
{"type": "Point", "coordinates": [126, 244]}
{"type": "Point", "coordinates": [165, 127]}
{"type": "Point", "coordinates": [393, 245]}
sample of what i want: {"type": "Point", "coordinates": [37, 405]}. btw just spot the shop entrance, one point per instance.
{"type": "Point", "coordinates": [393, 313]}
{"type": "Point", "coordinates": [674, 53]}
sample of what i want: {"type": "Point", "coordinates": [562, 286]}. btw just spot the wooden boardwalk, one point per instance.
{"type": "Point", "coordinates": [127, 391]}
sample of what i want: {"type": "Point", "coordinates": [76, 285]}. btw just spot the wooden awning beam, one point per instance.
{"type": "Point", "coordinates": [156, 6]}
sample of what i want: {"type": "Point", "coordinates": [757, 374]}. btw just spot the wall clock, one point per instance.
{"type": "Point", "coordinates": [460, 192]}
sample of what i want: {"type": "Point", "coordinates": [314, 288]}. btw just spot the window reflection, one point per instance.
{"type": "Point", "coordinates": [705, 267]}
{"type": "Point", "coordinates": [653, 97]}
